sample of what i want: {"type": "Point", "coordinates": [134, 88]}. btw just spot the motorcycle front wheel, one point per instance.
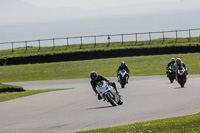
{"type": "Point", "coordinates": [110, 100]}
{"type": "Point", "coordinates": [182, 82]}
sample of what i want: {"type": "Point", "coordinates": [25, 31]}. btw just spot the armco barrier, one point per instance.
{"type": "Point", "coordinates": [99, 54]}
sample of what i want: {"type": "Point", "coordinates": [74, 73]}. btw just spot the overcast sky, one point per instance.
{"type": "Point", "coordinates": [23, 11]}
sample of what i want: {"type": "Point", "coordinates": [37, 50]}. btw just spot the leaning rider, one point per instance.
{"type": "Point", "coordinates": [122, 66]}
{"type": "Point", "coordinates": [95, 78]}
{"type": "Point", "coordinates": [180, 63]}
{"type": "Point", "coordinates": [169, 63]}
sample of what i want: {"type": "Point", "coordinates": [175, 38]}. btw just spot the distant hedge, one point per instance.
{"type": "Point", "coordinates": [9, 88]}
{"type": "Point", "coordinates": [100, 54]}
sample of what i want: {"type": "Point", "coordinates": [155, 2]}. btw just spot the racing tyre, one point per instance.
{"type": "Point", "coordinates": [182, 82]}
{"type": "Point", "coordinates": [112, 101]}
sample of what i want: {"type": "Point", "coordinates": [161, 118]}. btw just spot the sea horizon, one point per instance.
{"type": "Point", "coordinates": [101, 26]}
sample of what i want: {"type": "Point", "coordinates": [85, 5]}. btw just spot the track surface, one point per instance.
{"type": "Point", "coordinates": [145, 98]}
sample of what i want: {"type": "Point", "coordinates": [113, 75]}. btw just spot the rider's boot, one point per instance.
{"type": "Point", "coordinates": [127, 80]}
{"type": "Point", "coordinates": [117, 91]}
{"type": "Point", "coordinates": [118, 78]}
{"type": "Point", "coordinates": [99, 97]}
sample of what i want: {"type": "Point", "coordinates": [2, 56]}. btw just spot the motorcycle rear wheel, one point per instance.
{"type": "Point", "coordinates": [120, 102]}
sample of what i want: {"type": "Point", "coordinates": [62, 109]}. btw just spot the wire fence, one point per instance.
{"type": "Point", "coordinates": [134, 38]}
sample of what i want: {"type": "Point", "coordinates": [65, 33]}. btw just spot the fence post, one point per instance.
{"type": "Point", "coordinates": [122, 39]}
{"type": "Point", "coordinates": [26, 46]}
{"type": "Point", "coordinates": [108, 41]}
{"type": "Point", "coordinates": [176, 35]}
{"type": "Point", "coordinates": [12, 47]}
{"type": "Point", "coordinates": [199, 37]}
{"type": "Point", "coordinates": [39, 45]}
{"type": "Point", "coordinates": [163, 37]}
{"type": "Point", "coordinates": [149, 38]}
{"type": "Point", "coordinates": [135, 38]}
{"type": "Point", "coordinates": [53, 44]}
{"type": "Point", "coordinates": [95, 41]}
{"type": "Point", "coordinates": [189, 36]}
{"type": "Point", "coordinates": [67, 43]}
{"type": "Point", "coordinates": [81, 42]}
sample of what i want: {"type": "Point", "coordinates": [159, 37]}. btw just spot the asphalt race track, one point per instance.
{"type": "Point", "coordinates": [145, 98]}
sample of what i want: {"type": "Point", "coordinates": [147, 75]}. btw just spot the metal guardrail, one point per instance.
{"type": "Point", "coordinates": [108, 37]}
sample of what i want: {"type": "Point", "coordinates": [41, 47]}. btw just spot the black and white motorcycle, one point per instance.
{"type": "Point", "coordinates": [108, 93]}
{"type": "Point", "coordinates": [122, 77]}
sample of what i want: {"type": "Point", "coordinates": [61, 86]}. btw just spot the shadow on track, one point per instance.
{"type": "Point", "coordinates": [180, 88]}
{"type": "Point", "coordinates": [100, 107]}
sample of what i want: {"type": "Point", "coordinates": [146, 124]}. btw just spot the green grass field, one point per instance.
{"type": "Point", "coordinates": [184, 124]}
{"type": "Point", "coordinates": [13, 95]}
{"type": "Point", "coordinates": [2, 86]}
{"type": "Point", "coordinates": [99, 46]}
{"type": "Point", "coordinates": [138, 65]}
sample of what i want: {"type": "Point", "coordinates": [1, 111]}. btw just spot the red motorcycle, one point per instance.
{"type": "Point", "coordinates": [181, 76]}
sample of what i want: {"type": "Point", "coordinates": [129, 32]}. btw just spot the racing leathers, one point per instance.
{"type": "Point", "coordinates": [182, 64]}
{"type": "Point", "coordinates": [123, 67]}
{"type": "Point", "coordinates": [167, 67]}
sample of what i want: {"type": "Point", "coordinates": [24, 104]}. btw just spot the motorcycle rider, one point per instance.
{"type": "Point", "coordinates": [122, 66]}
{"type": "Point", "coordinates": [167, 67]}
{"type": "Point", "coordinates": [95, 78]}
{"type": "Point", "coordinates": [180, 63]}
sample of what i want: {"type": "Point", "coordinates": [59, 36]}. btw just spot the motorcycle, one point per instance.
{"type": "Point", "coordinates": [123, 77]}
{"type": "Point", "coordinates": [171, 73]}
{"type": "Point", "coordinates": [109, 94]}
{"type": "Point", "coordinates": [181, 76]}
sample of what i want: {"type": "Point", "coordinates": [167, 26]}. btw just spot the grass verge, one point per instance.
{"type": "Point", "coordinates": [183, 124]}
{"type": "Point", "coordinates": [138, 65]}
{"type": "Point", "coordinates": [13, 95]}
{"type": "Point", "coordinates": [10, 87]}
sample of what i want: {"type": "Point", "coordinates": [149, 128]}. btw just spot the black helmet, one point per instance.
{"type": "Point", "coordinates": [123, 63]}
{"type": "Point", "coordinates": [93, 75]}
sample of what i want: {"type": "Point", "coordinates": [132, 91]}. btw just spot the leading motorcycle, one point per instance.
{"type": "Point", "coordinates": [181, 76]}
{"type": "Point", "coordinates": [108, 93]}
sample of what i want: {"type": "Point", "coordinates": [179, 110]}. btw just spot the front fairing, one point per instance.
{"type": "Point", "coordinates": [181, 73]}
{"type": "Point", "coordinates": [123, 74]}
{"type": "Point", "coordinates": [107, 89]}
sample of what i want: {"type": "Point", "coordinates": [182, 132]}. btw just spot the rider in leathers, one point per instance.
{"type": "Point", "coordinates": [96, 78]}
{"type": "Point", "coordinates": [123, 66]}
{"type": "Point", "coordinates": [180, 63]}
{"type": "Point", "coordinates": [169, 63]}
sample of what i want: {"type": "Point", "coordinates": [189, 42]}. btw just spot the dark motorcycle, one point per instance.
{"type": "Point", "coordinates": [181, 76]}
{"type": "Point", "coordinates": [171, 73]}
{"type": "Point", "coordinates": [123, 77]}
